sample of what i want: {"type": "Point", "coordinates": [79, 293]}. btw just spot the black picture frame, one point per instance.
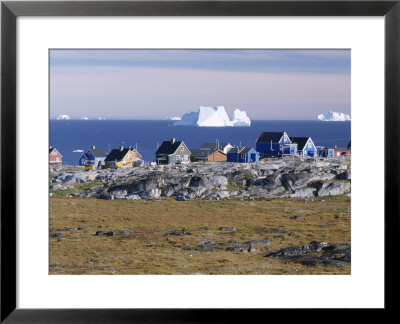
{"type": "Point", "coordinates": [10, 10]}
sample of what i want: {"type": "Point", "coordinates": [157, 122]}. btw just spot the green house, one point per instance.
{"type": "Point", "coordinates": [172, 152]}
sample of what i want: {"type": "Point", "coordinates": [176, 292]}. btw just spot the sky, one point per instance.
{"type": "Point", "coordinates": [155, 84]}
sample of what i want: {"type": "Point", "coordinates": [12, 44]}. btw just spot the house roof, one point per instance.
{"type": "Point", "coordinates": [199, 153]}
{"type": "Point", "coordinates": [246, 150]}
{"type": "Point", "coordinates": [116, 154]}
{"type": "Point", "coordinates": [300, 141]}
{"type": "Point", "coordinates": [51, 149]}
{"type": "Point", "coordinates": [136, 154]}
{"type": "Point", "coordinates": [167, 147]}
{"type": "Point", "coordinates": [203, 153]}
{"type": "Point", "coordinates": [84, 155]}
{"type": "Point", "coordinates": [241, 150]}
{"type": "Point", "coordinates": [267, 137]}
{"type": "Point", "coordinates": [341, 149]}
{"type": "Point", "coordinates": [213, 146]}
{"type": "Point", "coordinates": [97, 152]}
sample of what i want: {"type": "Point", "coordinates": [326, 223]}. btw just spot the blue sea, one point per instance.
{"type": "Point", "coordinates": [70, 135]}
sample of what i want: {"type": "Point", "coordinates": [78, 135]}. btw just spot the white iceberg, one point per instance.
{"type": "Point", "coordinates": [240, 118]}
{"type": "Point", "coordinates": [334, 116]}
{"type": "Point", "coordinates": [173, 118]}
{"type": "Point", "coordinates": [65, 117]}
{"type": "Point", "coordinates": [213, 117]}
{"type": "Point", "coordinates": [84, 118]}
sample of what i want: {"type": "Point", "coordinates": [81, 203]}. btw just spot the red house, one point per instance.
{"type": "Point", "coordinates": [54, 156]}
{"type": "Point", "coordinates": [339, 151]}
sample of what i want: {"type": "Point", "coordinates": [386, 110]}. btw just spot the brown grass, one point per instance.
{"type": "Point", "coordinates": [148, 250]}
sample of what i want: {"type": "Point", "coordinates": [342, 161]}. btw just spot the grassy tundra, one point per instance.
{"type": "Point", "coordinates": [163, 237]}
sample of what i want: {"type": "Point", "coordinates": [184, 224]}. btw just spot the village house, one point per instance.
{"type": "Point", "coordinates": [55, 157]}
{"type": "Point", "coordinates": [120, 158]}
{"type": "Point", "coordinates": [217, 146]}
{"type": "Point", "coordinates": [243, 155]}
{"type": "Point", "coordinates": [305, 146]}
{"type": "Point", "coordinates": [340, 151]}
{"type": "Point", "coordinates": [207, 155]}
{"type": "Point", "coordinates": [323, 151]}
{"type": "Point", "coordinates": [275, 143]}
{"type": "Point", "coordinates": [94, 158]}
{"type": "Point", "coordinates": [137, 155]}
{"type": "Point", "coordinates": [173, 152]}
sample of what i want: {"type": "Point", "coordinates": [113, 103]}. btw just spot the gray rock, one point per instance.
{"type": "Point", "coordinates": [228, 229]}
{"type": "Point", "coordinates": [57, 187]}
{"type": "Point", "coordinates": [304, 192]}
{"type": "Point", "coordinates": [56, 235]}
{"type": "Point", "coordinates": [235, 249]}
{"type": "Point", "coordinates": [269, 178]}
{"type": "Point", "coordinates": [297, 217]}
{"type": "Point", "coordinates": [334, 188]}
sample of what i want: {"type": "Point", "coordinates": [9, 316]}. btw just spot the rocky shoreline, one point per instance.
{"type": "Point", "coordinates": [287, 177]}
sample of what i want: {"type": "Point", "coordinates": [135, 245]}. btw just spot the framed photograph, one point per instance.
{"type": "Point", "coordinates": [163, 158]}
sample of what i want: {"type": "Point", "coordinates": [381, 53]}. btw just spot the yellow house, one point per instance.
{"type": "Point", "coordinates": [120, 158]}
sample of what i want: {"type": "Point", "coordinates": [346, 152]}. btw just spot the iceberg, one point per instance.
{"type": "Point", "coordinates": [240, 118]}
{"type": "Point", "coordinates": [213, 117]}
{"type": "Point", "coordinates": [334, 116]}
{"type": "Point", "coordinates": [173, 118]}
{"type": "Point", "coordinates": [84, 118]}
{"type": "Point", "coordinates": [65, 117]}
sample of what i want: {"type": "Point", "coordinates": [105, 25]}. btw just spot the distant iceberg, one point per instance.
{"type": "Point", "coordinates": [84, 118]}
{"type": "Point", "coordinates": [65, 117]}
{"type": "Point", "coordinates": [240, 118]}
{"type": "Point", "coordinates": [173, 118]}
{"type": "Point", "coordinates": [77, 151]}
{"type": "Point", "coordinates": [334, 116]}
{"type": "Point", "coordinates": [213, 117]}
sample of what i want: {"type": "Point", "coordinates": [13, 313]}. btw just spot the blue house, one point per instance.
{"type": "Point", "coordinates": [305, 146]}
{"type": "Point", "coordinates": [325, 152]}
{"type": "Point", "coordinates": [242, 155]}
{"type": "Point", "coordinates": [83, 159]}
{"type": "Point", "coordinates": [275, 143]}
{"type": "Point", "coordinates": [94, 156]}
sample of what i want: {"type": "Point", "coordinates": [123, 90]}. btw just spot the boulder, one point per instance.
{"type": "Point", "coordinates": [334, 188]}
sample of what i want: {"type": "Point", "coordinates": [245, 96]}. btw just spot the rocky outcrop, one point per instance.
{"type": "Point", "coordinates": [291, 177]}
{"type": "Point", "coordinates": [314, 253]}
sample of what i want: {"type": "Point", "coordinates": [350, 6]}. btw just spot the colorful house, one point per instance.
{"type": "Point", "coordinates": [55, 157]}
{"type": "Point", "coordinates": [275, 143]}
{"type": "Point", "coordinates": [325, 151]}
{"type": "Point", "coordinates": [120, 158]}
{"type": "Point", "coordinates": [340, 151]}
{"type": "Point", "coordinates": [305, 146]}
{"type": "Point", "coordinates": [207, 155]}
{"type": "Point", "coordinates": [136, 154]}
{"type": "Point", "coordinates": [83, 159]}
{"type": "Point", "coordinates": [243, 155]}
{"type": "Point", "coordinates": [217, 146]}
{"type": "Point", "coordinates": [173, 152]}
{"type": "Point", "coordinates": [94, 157]}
